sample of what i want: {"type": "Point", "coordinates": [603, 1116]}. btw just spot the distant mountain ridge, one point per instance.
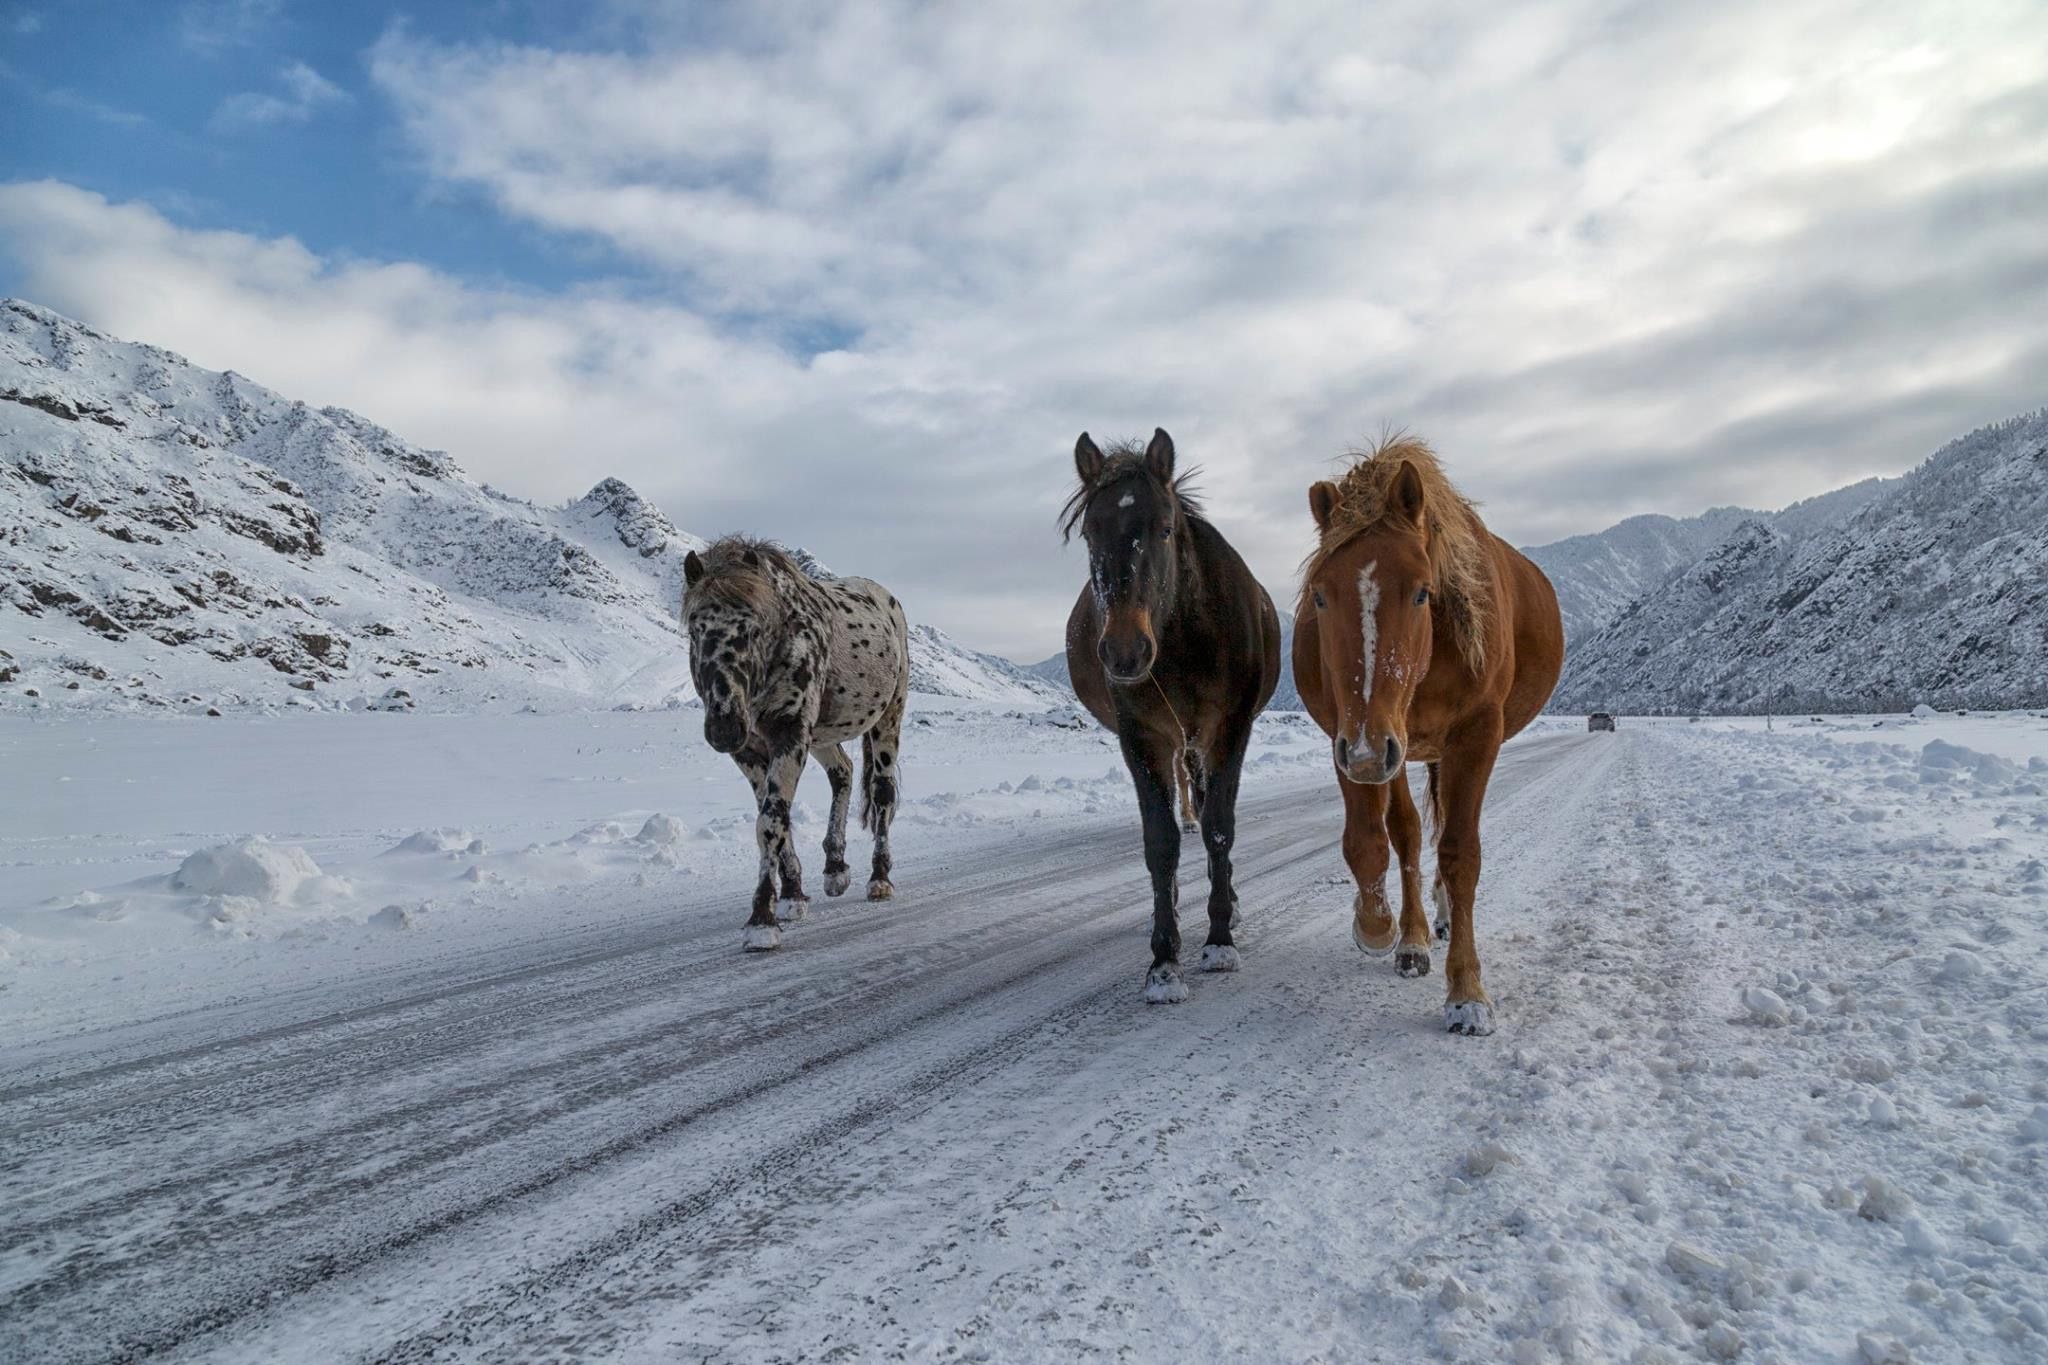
{"type": "Point", "coordinates": [1933, 588]}
{"type": "Point", "coordinates": [174, 536]}
{"type": "Point", "coordinates": [1597, 576]}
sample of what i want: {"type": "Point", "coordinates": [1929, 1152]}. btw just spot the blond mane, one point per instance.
{"type": "Point", "coordinates": [737, 573]}
{"type": "Point", "coordinates": [1457, 538]}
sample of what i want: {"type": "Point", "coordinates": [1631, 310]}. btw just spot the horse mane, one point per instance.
{"type": "Point", "coordinates": [1457, 538]}
{"type": "Point", "coordinates": [730, 580]}
{"type": "Point", "coordinates": [1125, 460]}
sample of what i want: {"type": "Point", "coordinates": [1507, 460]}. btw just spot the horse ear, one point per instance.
{"type": "Point", "coordinates": [1406, 494]}
{"type": "Point", "coordinates": [1322, 503]}
{"type": "Point", "coordinates": [1087, 459]}
{"type": "Point", "coordinates": [693, 568]}
{"type": "Point", "coordinates": [1159, 455]}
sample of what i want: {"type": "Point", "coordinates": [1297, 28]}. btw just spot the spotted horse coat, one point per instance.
{"type": "Point", "coordinates": [786, 665]}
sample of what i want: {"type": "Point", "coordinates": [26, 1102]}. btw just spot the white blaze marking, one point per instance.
{"type": "Point", "coordinates": [1368, 622]}
{"type": "Point", "coordinates": [1127, 500]}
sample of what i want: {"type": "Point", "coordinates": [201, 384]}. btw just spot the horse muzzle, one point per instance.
{"type": "Point", "coordinates": [724, 733]}
{"type": "Point", "coordinates": [1127, 657]}
{"type": "Point", "coordinates": [1366, 763]}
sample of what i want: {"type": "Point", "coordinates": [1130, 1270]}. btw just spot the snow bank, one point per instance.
{"type": "Point", "coordinates": [253, 868]}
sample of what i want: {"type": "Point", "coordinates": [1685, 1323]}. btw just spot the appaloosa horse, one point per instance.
{"type": "Point", "coordinates": [1420, 635]}
{"type": "Point", "coordinates": [788, 664]}
{"type": "Point", "coordinates": [1175, 646]}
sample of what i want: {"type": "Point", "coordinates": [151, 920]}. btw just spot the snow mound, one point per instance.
{"type": "Point", "coordinates": [1940, 756]}
{"type": "Point", "coordinates": [253, 868]}
{"type": "Point", "coordinates": [439, 841]}
{"type": "Point", "coordinates": [660, 830]}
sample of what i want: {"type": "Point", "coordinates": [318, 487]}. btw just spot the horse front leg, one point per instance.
{"type": "Point", "coordinates": [1150, 760]}
{"type": "Point", "coordinates": [1365, 852]}
{"type": "Point", "coordinates": [1467, 766]}
{"type": "Point", "coordinates": [774, 778]}
{"type": "Point", "coordinates": [1404, 830]}
{"type": "Point", "coordinates": [1219, 835]}
{"type": "Point", "coordinates": [839, 772]}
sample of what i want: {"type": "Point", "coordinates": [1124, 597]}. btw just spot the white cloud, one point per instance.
{"type": "Point", "coordinates": [1609, 258]}
{"type": "Point", "coordinates": [211, 27]}
{"type": "Point", "coordinates": [305, 93]}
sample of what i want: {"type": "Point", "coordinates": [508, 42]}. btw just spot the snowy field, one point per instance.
{"type": "Point", "coordinates": [462, 1059]}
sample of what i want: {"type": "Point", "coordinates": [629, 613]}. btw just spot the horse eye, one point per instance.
{"type": "Point", "coordinates": [1320, 603]}
{"type": "Point", "coordinates": [1421, 596]}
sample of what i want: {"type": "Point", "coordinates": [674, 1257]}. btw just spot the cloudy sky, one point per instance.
{"type": "Point", "coordinates": [857, 275]}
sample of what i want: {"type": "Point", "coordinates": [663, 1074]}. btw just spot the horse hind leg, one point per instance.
{"type": "Point", "coordinates": [880, 793]}
{"type": "Point", "coordinates": [1184, 781]}
{"type": "Point", "coordinates": [839, 772]}
{"type": "Point", "coordinates": [1438, 894]}
{"type": "Point", "coordinates": [1404, 830]}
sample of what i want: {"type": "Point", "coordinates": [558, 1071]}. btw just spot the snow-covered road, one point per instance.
{"type": "Point", "coordinates": [948, 1127]}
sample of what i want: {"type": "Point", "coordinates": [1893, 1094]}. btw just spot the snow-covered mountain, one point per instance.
{"type": "Point", "coordinates": [1597, 576]}
{"type": "Point", "coordinates": [1935, 589]}
{"type": "Point", "coordinates": [170, 535]}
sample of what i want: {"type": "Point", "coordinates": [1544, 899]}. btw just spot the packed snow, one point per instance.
{"type": "Point", "coordinates": [408, 1035]}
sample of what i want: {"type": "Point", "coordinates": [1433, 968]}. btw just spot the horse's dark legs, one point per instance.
{"type": "Point", "coordinates": [1365, 852]}
{"type": "Point", "coordinates": [774, 779]}
{"type": "Point", "coordinates": [1150, 760]}
{"type": "Point", "coordinates": [1467, 764]}
{"type": "Point", "coordinates": [879, 774]}
{"type": "Point", "coordinates": [839, 772]}
{"type": "Point", "coordinates": [1404, 829]}
{"type": "Point", "coordinates": [1219, 833]}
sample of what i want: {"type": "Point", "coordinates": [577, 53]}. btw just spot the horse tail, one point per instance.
{"type": "Point", "coordinates": [1434, 810]}
{"type": "Point", "coordinates": [867, 780]}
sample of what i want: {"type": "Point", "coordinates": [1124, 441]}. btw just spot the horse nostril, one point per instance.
{"type": "Point", "coordinates": [1393, 755]}
{"type": "Point", "coordinates": [1343, 753]}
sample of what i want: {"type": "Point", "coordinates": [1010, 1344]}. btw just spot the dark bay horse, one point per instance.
{"type": "Point", "coordinates": [1420, 636]}
{"type": "Point", "coordinates": [1174, 646]}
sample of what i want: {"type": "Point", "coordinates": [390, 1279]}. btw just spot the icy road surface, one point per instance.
{"type": "Point", "coordinates": [1769, 1084]}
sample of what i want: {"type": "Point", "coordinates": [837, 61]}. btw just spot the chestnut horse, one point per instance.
{"type": "Point", "coordinates": [1174, 646]}
{"type": "Point", "coordinates": [1420, 636]}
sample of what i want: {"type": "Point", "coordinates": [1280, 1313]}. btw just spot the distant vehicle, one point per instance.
{"type": "Point", "coordinates": [1599, 720]}
{"type": "Point", "coordinates": [1692, 720]}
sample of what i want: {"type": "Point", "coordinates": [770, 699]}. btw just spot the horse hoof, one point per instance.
{"type": "Point", "coordinates": [1164, 985]}
{"type": "Point", "coordinates": [1473, 1018]}
{"type": "Point", "coordinates": [879, 890]}
{"type": "Point", "coordinates": [1412, 961]}
{"type": "Point", "coordinates": [1367, 946]}
{"type": "Point", "coordinates": [761, 938]}
{"type": "Point", "coordinates": [1220, 957]}
{"type": "Point", "coordinates": [793, 912]}
{"type": "Point", "coordinates": [1190, 827]}
{"type": "Point", "coordinates": [837, 882]}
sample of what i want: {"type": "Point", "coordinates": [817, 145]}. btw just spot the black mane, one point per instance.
{"type": "Point", "coordinates": [1122, 461]}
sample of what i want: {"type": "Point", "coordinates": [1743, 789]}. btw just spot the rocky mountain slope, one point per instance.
{"type": "Point", "coordinates": [1934, 590]}
{"type": "Point", "coordinates": [1597, 576]}
{"type": "Point", "coordinates": [172, 536]}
